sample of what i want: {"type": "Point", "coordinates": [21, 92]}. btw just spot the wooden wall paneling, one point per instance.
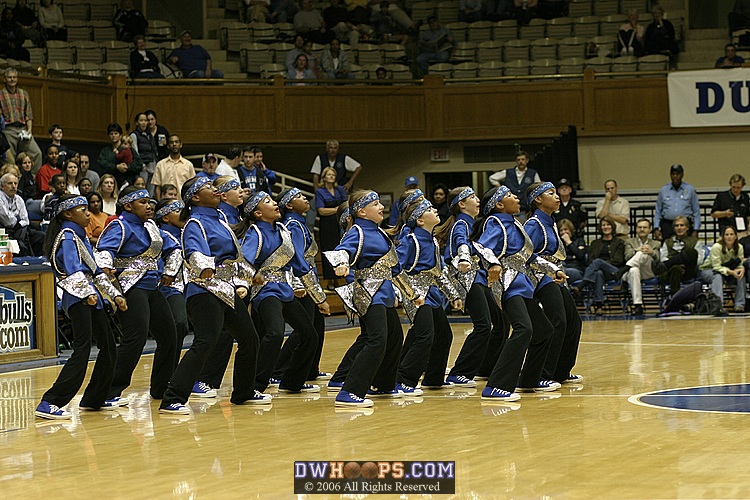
{"type": "Point", "coordinates": [625, 107]}
{"type": "Point", "coordinates": [84, 110]}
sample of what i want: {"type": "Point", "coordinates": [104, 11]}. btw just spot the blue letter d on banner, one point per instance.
{"type": "Point", "coordinates": [704, 91]}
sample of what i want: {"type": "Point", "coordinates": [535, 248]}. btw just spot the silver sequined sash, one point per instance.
{"type": "Point", "coordinates": [134, 268]}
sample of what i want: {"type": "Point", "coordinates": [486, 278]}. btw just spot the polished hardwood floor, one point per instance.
{"type": "Point", "coordinates": [586, 441]}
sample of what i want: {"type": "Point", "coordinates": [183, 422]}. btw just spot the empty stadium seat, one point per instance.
{"type": "Point", "coordinates": [491, 50]}
{"type": "Point", "coordinates": [535, 29]}
{"type": "Point", "coordinates": [269, 70]}
{"type": "Point", "coordinates": [58, 51]}
{"type": "Point", "coordinates": [279, 51]}
{"type": "Point", "coordinates": [570, 66]}
{"type": "Point", "coordinates": [505, 30]}
{"type": "Point", "coordinates": [465, 51]}
{"type": "Point", "coordinates": [368, 53]}
{"type": "Point", "coordinates": [516, 68]}
{"type": "Point", "coordinates": [560, 27]}
{"type": "Point", "coordinates": [491, 68]}
{"type": "Point", "coordinates": [606, 7]}
{"type": "Point", "coordinates": [466, 70]}
{"type": "Point", "coordinates": [445, 69]}
{"type": "Point", "coordinates": [253, 56]}
{"type": "Point", "coordinates": [391, 52]}
{"type": "Point", "coordinates": [78, 30]}
{"type": "Point", "coordinates": [544, 48]}
{"type": "Point", "coordinates": [580, 8]}
{"type": "Point", "coordinates": [543, 67]}
{"type": "Point", "coordinates": [88, 52]}
{"type": "Point", "coordinates": [460, 30]}
{"type": "Point", "coordinates": [586, 27]}
{"type": "Point", "coordinates": [516, 49]}
{"type": "Point", "coordinates": [102, 30]}
{"type": "Point", "coordinates": [625, 64]}
{"type": "Point", "coordinates": [571, 47]}
{"type": "Point", "coordinates": [118, 52]}
{"type": "Point", "coordinates": [480, 31]}
{"type": "Point", "coordinates": [599, 64]}
{"type": "Point", "coordinates": [114, 68]}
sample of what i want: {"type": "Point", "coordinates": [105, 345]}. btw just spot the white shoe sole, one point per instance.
{"type": "Point", "coordinates": [511, 398]}
{"type": "Point", "coordinates": [49, 416]}
{"type": "Point", "coordinates": [365, 404]}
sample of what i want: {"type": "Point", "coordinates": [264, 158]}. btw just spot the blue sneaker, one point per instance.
{"type": "Point", "coordinates": [409, 390]}
{"type": "Point", "coordinates": [444, 385]}
{"type": "Point", "coordinates": [334, 386]}
{"type": "Point", "coordinates": [274, 382]}
{"type": "Point", "coordinates": [494, 394]}
{"type": "Point", "coordinates": [175, 409]}
{"type": "Point", "coordinates": [304, 388]}
{"type": "Point", "coordinates": [115, 402]}
{"type": "Point", "coordinates": [461, 381]}
{"type": "Point", "coordinates": [324, 376]}
{"type": "Point", "coordinates": [52, 412]}
{"type": "Point", "coordinates": [544, 386]}
{"type": "Point", "coordinates": [202, 390]}
{"type": "Point", "coordinates": [258, 398]}
{"type": "Point", "coordinates": [573, 379]}
{"type": "Point", "coordinates": [378, 393]}
{"type": "Point", "coordinates": [347, 399]}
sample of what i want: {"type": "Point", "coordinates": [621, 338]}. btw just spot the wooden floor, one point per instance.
{"type": "Point", "coordinates": [587, 441]}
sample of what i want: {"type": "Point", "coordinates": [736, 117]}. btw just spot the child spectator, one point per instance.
{"type": "Point", "coordinates": [98, 219]}
{"type": "Point", "coordinates": [85, 186]}
{"type": "Point", "coordinates": [72, 176]}
{"type": "Point", "coordinates": [49, 169]}
{"type": "Point", "coordinates": [49, 201]}
{"type": "Point", "coordinates": [125, 155]}
{"type": "Point", "coordinates": [56, 134]}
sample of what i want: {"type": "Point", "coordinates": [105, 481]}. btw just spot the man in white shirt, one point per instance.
{"type": "Point", "coordinates": [15, 219]}
{"type": "Point", "coordinates": [616, 207]}
{"type": "Point", "coordinates": [339, 162]}
{"type": "Point", "coordinates": [229, 165]}
{"type": "Point", "coordinates": [640, 254]}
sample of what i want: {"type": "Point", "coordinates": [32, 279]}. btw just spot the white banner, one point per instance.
{"type": "Point", "coordinates": [711, 98]}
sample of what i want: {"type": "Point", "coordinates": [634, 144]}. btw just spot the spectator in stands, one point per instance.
{"type": "Point", "coordinates": [56, 134]}
{"type": "Point", "coordinates": [97, 220]}
{"type": "Point", "coordinates": [338, 21]}
{"type": "Point", "coordinates": [327, 200]}
{"type": "Point", "coordinates": [254, 11]}
{"type": "Point", "coordinates": [254, 178]}
{"type": "Point", "coordinates": [45, 173]}
{"type": "Point", "coordinates": [570, 209]}
{"type": "Point", "coordinates": [143, 63]}
{"type": "Point", "coordinates": [435, 45]}
{"type": "Point", "coordinates": [387, 29]}
{"type": "Point", "coordinates": [85, 187]}
{"type": "Point", "coordinates": [498, 10]}
{"type": "Point", "coordinates": [730, 59]}
{"type": "Point", "coordinates": [550, 9]}
{"type": "Point", "coordinates": [517, 179]}
{"type": "Point", "coordinates": [309, 22]}
{"type": "Point", "coordinates": [26, 18]}
{"type": "Point", "coordinates": [169, 192]}
{"type": "Point", "coordinates": [575, 251]}
{"type": "Point", "coordinates": [524, 10]}
{"type": "Point", "coordinates": [49, 201]}
{"type": "Point", "coordinates": [86, 171]}
{"type": "Point", "coordinates": [616, 208]}
{"type": "Point", "coordinates": [282, 11]}
{"type": "Point", "coordinates": [359, 11]}
{"type": "Point", "coordinates": [439, 201]}
{"type": "Point", "coordinates": [12, 37]}
{"type": "Point", "coordinates": [732, 207]}
{"type": "Point", "coordinates": [52, 21]}
{"type": "Point", "coordinates": [109, 164]}
{"type": "Point", "coordinates": [26, 183]}
{"type": "Point", "coordinates": [18, 117]}
{"type": "Point", "coordinates": [724, 265]}
{"type": "Point", "coordinates": [145, 145]}
{"type": "Point", "coordinates": [209, 167]}
{"type": "Point", "coordinates": [740, 16]}
{"type": "Point", "coordinates": [129, 22]}
{"type": "Point", "coordinates": [299, 48]}
{"type": "Point", "coordinates": [15, 219]}
{"type": "Point", "coordinates": [160, 133]}
{"type": "Point", "coordinates": [410, 183]}
{"type": "Point", "coordinates": [630, 38]}
{"type": "Point", "coordinates": [340, 162]}
{"type": "Point", "coordinates": [641, 253]}
{"type": "Point", "coordinates": [193, 60]}
{"type": "Point", "coordinates": [660, 35]}
{"type": "Point", "coordinates": [312, 61]}
{"type": "Point", "coordinates": [230, 164]}
{"type": "Point", "coordinates": [335, 62]}
{"type": "Point", "coordinates": [300, 72]}
{"type": "Point", "coordinates": [175, 169]}
{"type": "Point", "coordinates": [678, 256]}
{"type": "Point", "coordinates": [605, 257]}
{"type": "Point", "coordinates": [381, 73]}
{"type": "Point", "coordinates": [676, 198]}
{"type": "Point", "coordinates": [108, 191]}
{"type": "Point", "coordinates": [72, 176]}
{"type": "Point", "coordinates": [470, 11]}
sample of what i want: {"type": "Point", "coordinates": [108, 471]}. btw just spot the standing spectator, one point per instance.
{"type": "Point", "coordinates": [678, 257]}
{"type": "Point", "coordinates": [740, 16]}
{"type": "Point", "coordinates": [606, 256]}
{"type": "Point", "coordinates": [254, 178]}
{"type": "Point", "coordinates": [570, 209]}
{"type": "Point", "coordinates": [88, 173]}
{"type": "Point", "coordinates": [575, 251]}
{"type": "Point", "coordinates": [129, 22]}
{"type": "Point", "coordinates": [15, 219]}
{"type": "Point", "coordinates": [335, 62]}
{"type": "Point", "coordinates": [440, 201]}
{"type": "Point", "coordinates": [174, 170]}
{"type": "Point", "coordinates": [435, 45]}
{"type": "Point", "coordinates": [724, 264]}
{"type": "Point", "coordinates": [676, 198]}
{"type": "Point", "coordinates": [45, 173]}
{"type": "Point", "coordinates": [51, 19]}
{"type": "Point", "coordinates": [340, 162]}
{"type": "Point", "coordinates": [109, 164]}
{"type": "Point", "coordinates": [309, 22]}
{"type": "Point", "coordinates": [209, 167]}
{"type": "Point", "coordinates": [26, 18]}
{"type": "Point", "coordinates": [640, 254]}
{"type": "Point", "coordinates": [160, 133]}
{"type": "Point", "coordinates": [410, 183]}
{"type": "Point", "coordinates": [630, 37]}
{"type": "Point", "coordinates": [517, 179]}
{"type": "Point", "coordinates": [193, 60]}
{"type": "Point", "coordinates": [291, 56]}
{"type": "Point", "coordinates": [660, 35]}
{"type": "Point", "coordinates": [143, 63]}
{"type": "Point", "coordinates": [230, 164]}
{"type": "Point", "coordinates": [145, 145]}
{"type": "Point", "coordinates": [616, 208]}
{"type": "Point", "coordinates": [11, 38]}
{"type": "Point", "coordinates": [470, 11]}
{"type": "Point", "coordinates": [56, 134]}
{"type": "Point", "coordinates": [730, 59]}
{"type": "Point", "coordinates": [732, 207]}
{"type": "Point", "coordinates": [328, 198]}
{"type": "Point", "coordinates": [18, 117]}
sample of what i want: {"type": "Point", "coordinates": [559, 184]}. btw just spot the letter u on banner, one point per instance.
{"type": "Point", "coordinates": [711, 98]}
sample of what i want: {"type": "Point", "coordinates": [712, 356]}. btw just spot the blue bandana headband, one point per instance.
{"type": "Point", "coordinates": [197, 185]}
{"type": "Point", "coordinates": [228, 186]}
{"type": "Point", "coordinates": [254, 201]}
{"type": "Point", "coordinates": [289, 196]}
{"type": "Point", "coordinates": [539, 190]}
{"type": "Point", "coordinates": [419, 212]}
{"type": "Point", "coordinates": [501, 193]}
{"type": "Point", "coordinates": [344, 215]}
{"type": "Point", "coordinates": [135, 195]}
{"type": "Point", "coordinates": [364, 201]}
{"type": "Point", "coordinates": [461, 197]}
{"type": "Point", "coordinates": [410, 199]}
{"type": "Point", "coordinates": [167, 209]}
{"type": "Point", "coordinates": [78, 201]}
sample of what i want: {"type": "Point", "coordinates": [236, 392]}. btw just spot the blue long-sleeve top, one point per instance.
{"type": "Point", "coordinates": [417, 253]}
{"type": "Point", "coordinates": [301, 239]}
{"type": "Point", "coordinates": [375, 244]}
{"type": "Point", "coordinates": [494, 238]}
{"type": "Point", "coordinates": [536, 233]}
{"type": "Point", "coordinates": [125, 237]}
{"type": "Point", "coordinates": [271, 240]}
{"type": "Point", "coordinates": [460, 235]}
{"type": "Point", "coordinates": [231, 213]}
{"type": "Point", "coordinates": [68, 259]}
{"type": "Point", "coordinates": [672, 202]}
{"type": "Point", "coordinates": [175, 235]}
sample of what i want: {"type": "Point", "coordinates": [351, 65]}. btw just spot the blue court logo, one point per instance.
{"type": "Point", "coordinates": [730, 398]}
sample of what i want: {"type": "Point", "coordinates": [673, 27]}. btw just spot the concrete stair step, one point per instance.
{"type": "Point", "coordinates": [213, 4]}
{"type": "Point", "coordinates": [227, 66]}
{"type": "Point", "coordinates": [236, 76]}
{"type": "Point", "coordinates": [693, 65]}
{"type": "Point", "coordinates": [215, 13]}
{"type": "Point", "coordinates": [700, 55]}
{"type": "Point", "coordinates": [705, 45]}
{"type": "Point", "coordinates": [210, 45]}
{"type": "Point", "coordinates": [218, 55]}
{"type": "Point", "coordinates": [707, 34]}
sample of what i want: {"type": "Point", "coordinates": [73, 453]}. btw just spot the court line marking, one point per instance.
{"type": "Point", "coordinates": [635, 399]}
{"type": "Point", "coordinates": [665, 345]}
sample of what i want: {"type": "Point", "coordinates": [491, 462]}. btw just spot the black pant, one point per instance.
{"type": "Point", "coordinates": [86, 321]}
{"type": "Point", "coordinates": [569, 349]}
{"type": "Point", "coordinates": [273, 314]}
{"type": "Point", "coordinates": [179, 313]}
{"type": "Point", "coordinates": [529, 338]}
{"type": "Point", "coordinates": [351, 354]}
{"type": "Point", "coordinates": [377, 363]}
{"type": "Point", "coordinates": [498, 336]}
{"type": "Point", "coordinates": [550, 297]}
{"type": "Point", "coordinates": [208, 315]}
{"type": "Point", "coordinates": [426, 346]}
{"type": "Point", "coordinates": [148, 311]}
{"type": "Point", "coordinates": [687, 259]}
{"type": "Point", "coordinates": [319, 323]}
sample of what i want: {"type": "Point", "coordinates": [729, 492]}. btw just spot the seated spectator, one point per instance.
{"type": "Point", "coordinates": [299, 48]}
{"type": "Point", "coordinates": [98, 219]}
{"type": "Point", "coordinates": [725, 265]}
{"type": "Point", "coordinates": [312, 61]}
{"type": "Point", "coordinates": [143, 63]}
{"type": "Point", "coordinates": [255, 11]}
{"type": "Point", "coordinates": [338, 21]}
{"type": "Point", "coordinates": [129, 22]}
{"type": "Point", "coordinates": [125, 173]}
{"type": "Point", "coordinates": [108, 191]}
{"type": "Point", "coordinates": [387, 29]}
{"type": "Point", "coordinates": [84, 164]}
{"type": "Point", "coordinates": [309, 22]}
{"type": "Point", "coordinates": [52, 21]}
{"type": "Point", "coordinates": [85, 186]}
{"type": "Point", "coordinates": [359, 11]}
{"type": "Point", "coordinates": [381, 73]}
{"type": "Point", "coordinates": [49, 201]}
{"type": "Point", "coordinates": [169, 192]}
{"type": "Point", "coordinates": [56, 134]}
{"type": "Point", "coordinates": [606, 256]}
{"type": "Point", "coordinates": [660, 35]}
{"type": "Point", "coordinates": [72, 176]}
{"type": "Point", "coordinates": [26, 183]}
{"type": "Point", "coordinates": [209, 167]}
{"type": "Point", "coordinates": [730, 59]}
{"type": "Point", "coordinates": [435, 45]}
{"type": "Point", "coordinates": [740, 16]}
{"type": "Point", "coordinates": [335, 62]}
{"type": "Point", "coordinates": [300, 71]}
{"type": "Point", "coordinates": [26, 18]}
{"type": "Point", "coordinates": [524, 10]}
{"type": "Point", "coordinates": [45, 173]}
{"type": "Point", "coordinates": [575, 251]}
{"type": "Point", "coordinates": [641, 253]}
{"type": "Point", "coordinates": [731, 208]}
{"type": "Point", "coordinates": [15, 219]}
{"type": "Point", "coordinates": [678, 256]}
{"type": "Point", "coordinates": [570, 209]}
{"type": "Point", "coordinates": [193, 60]}
{"type": "Point", "coordinates": [281, 11]}
{"type": "Point", "coordinates": [616, 208]}
{"type": "Point", "coordinates": [499, 10]}
{"type": "Point", "coordinates": [470, 11]}
{"type": "Point", "coordinates": [12, 38]}
{"type": "Point", "coordinates": [630, 37]}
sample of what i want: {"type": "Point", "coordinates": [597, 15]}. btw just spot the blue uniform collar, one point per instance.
{"type": "Point", "coordinates": [295, 216]}
{"type": "Point", "coordinates": [268, 226]}
{"type": "Point", "coordinates": [422, 233]}
{"type": "Point", "coordinates": [129, 217]}
{"type": "Point", "coordinates": [503, 217]}
{"type": "Point", "coordinates": [80, 232]}
{"type": "Point", "coordinates": [547, 219]}
{"type": "Point", "coordinates": [204, 211]}
{"type": "Point", "coordinates": [174, 231]}
{"type": "Point", "coordinates": [229, 209]}
{"type": "Point", "coordinates": [465, 217]}
{"type": "Point", "coordinates": [365, 223]}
